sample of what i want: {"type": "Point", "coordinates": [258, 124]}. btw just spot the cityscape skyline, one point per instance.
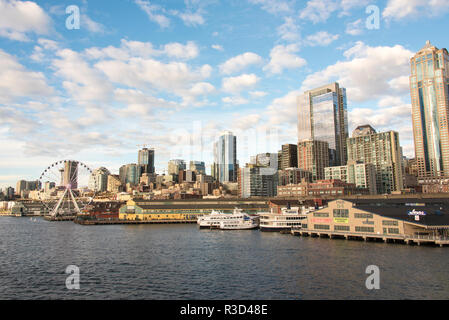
{"type": "Point", "coordinates": [57, 111]}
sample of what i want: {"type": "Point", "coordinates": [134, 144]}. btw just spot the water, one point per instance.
{"type": "Point", "coordinates": [183, 262]}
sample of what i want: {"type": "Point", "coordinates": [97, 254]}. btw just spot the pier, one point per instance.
{"type": "Point", "coordinates": [113, 222]}
{"type": "Point", "coordinates": [416, 240]}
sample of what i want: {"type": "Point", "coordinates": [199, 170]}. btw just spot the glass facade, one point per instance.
{"type": "Point", "coordinates": [225, 154]}
{"type": "Point", "coordinates": [322, 115]}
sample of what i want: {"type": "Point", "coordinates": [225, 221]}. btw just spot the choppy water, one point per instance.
{"type": "Point", "coordinates": [182, 262]}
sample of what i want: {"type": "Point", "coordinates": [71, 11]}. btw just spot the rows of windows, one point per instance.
{"type": "Point", "coordinates": [389, 223]}
{"type": "Point", "coordinates": [321, 214]}
{"type": "Point", "coordinates": [341, 213]}
{"type": "Point", "coordinates": [322, 226]}
{"type": "Point", "coordinates": [359, 215]}
{"type": "Point", "coordinates": [364, 229]}
{"type": "Point", "coordinates": [341, 228]}
{"type": "Point", "coordinates": [392, 230]}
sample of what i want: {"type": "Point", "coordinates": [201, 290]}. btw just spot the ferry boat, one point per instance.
{"type": "Point", "coordinates": [238, 220]}
{"type": "Point", "coordinates": [286, 220]}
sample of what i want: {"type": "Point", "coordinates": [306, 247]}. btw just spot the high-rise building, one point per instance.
{"type": "Point", "coordinates": [313, 156]}
{"type": "Point", "coordinates": [198, 166]}
{"type": "Point", "coordinates": [266, 160]}
{"type": "Point", "coordinates": [322, 115]}
{"type": "Point", "coordinates": [293, 176]}
{"type": "Point", "coordinates": [429, 87]}
{"type": "Point", "coordinates": [383, 151]}
{"type": "Point", "coordinates": [256, 181]}
{"type": "Point", "coordinates": [146, 160]}
{"type": "Point", "coordinates": [20, 186]}
{"type": "Point", "coordinates": [114, 183]}
{"type": "Point", "coordinates": [98, 180]}
{"type": "Point", "coordinates": [130, 174]}
{"type": "Point", "coordinates": [363, 175]}
{"type": "Point", "coordinates": [70, 175]}
{"type": "Point", "coordinates": [288, 156]}
{"type": "Point", "coordinates": [175, 165]}
{"type": "Point", "coordinates": [225, 157]}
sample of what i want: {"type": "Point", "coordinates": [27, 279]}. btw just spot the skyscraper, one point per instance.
{"type": "Point", "coordinates": [174, 166]}
{"type": "Point", "coordinates": [383, 151]}
{"type": "Point", "coordinates": [146, 160]}
{"type": "Point", "coordinates": [70, 174]}
{"type": "Point", "coordinates": [288, 156]}
{"type": "Point", "coordinates": [225, 157]}
{"type": "Point", "coordinates": [322, 115]}
{"type": "Point", "coordinates": [429, 87]}
{"type": "Point", "coordinates": [313, 156]}
{"type": "Point", "coordinates": [198, 167]}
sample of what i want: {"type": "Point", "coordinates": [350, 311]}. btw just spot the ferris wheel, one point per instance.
{"type": "Point", "coordinates": [66, 188]}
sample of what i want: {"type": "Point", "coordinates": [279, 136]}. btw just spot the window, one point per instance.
{"type": "Point", "coordinates": [321, 214]}
{"type": "Point", "coordinates": [389, 223]}
{"type": "Point", "coordinates": [341, 213]}
{"type": "Point", "coordinates": [341, 228]}
{"type": "Point", "coordinates": [364, 229]}
{"type": "Point", "coordinates": [359, 215]}
{"type": "Point", "coordinates": [322, 226]}
{"type": "Point", "coordinates": [393, 230]}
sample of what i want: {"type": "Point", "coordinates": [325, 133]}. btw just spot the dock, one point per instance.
{"type": "Point", "coordinates": [416, 240]}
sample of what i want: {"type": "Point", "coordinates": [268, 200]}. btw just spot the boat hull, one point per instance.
{"type": "Point", "coordinates": [275, 229]}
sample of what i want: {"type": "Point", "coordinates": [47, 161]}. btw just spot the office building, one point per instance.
{"type": "Point", "coordinates": [288, 156]}
{"type": "Point", "coordinates": [322, 115]}
{"type": "Point", "coordinates": [225, 157]}
{"type": "Point", "coordinates": [313, 156]}
{"type": "Point", "coordinates": [130, 174]}
{"type": "Point", "coordinates": [198, 166]}
{"type": "Point", "coordinates": [383, 151]}
{"type": "Point", "coordinates": [114, 183]}
{"type": "Point", "coordinates": [255, 181]}
{"type": "Point", "coordinates": [146, 160]}
{"type": "Point", "coordinates": [429, 88]}
{"type": "Point", "coordinates": [70, 174]}
{"type": "Point", "coordinates": [174, 166]}
{"type": "Point", "coordinates": [293, 176]}
{"type": "Point", "coordinates": [362, 175]}
{"type": "Point", "coordinates": [98, 180]}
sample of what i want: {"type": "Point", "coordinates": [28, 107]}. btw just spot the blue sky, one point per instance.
{"type": "Point", "coordinates": [174, 74]}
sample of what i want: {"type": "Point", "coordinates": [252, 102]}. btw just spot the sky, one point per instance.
{"type": "Point", "coordinates": [172, 75]}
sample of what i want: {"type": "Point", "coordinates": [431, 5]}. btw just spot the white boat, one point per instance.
{"type": "Point", "coordinates": [286, 220]}
{"type": "Point", "coordinates": [238, 220]}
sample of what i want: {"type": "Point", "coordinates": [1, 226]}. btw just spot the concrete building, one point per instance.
{"type": "Point", "coordinates": [266, 160]}
{"type": "Point", "coordinates": [383, 151]}
{"type": "Point", "coordinates": [98, 180]}
{"type": "Point", "coordinates": [70, 174]}
{"type": "Point", "coordinates": [429, 83]}
{"type": "Point", "coordinates": [322, 115]}
{"type": "Point", "coordinates": [288, 156]}
{"type": "Point", "coordinates": [363, 175]}
{"type": "Point", "coordinates": [114, 184]}
{"type": "Point", "coordinates": [320, 188]}
{"type": "Point", "coordinates": [313, 156]}
{"type": "Point", "coordinates": [174, 166]}
{"type": "Point", "coordinates": [293, 176]}
{"type": "Point", "coordinates": [256, 181]}
{"type": "Point", "coordinates": [225, 157]}
{"type": "Point", "coordinates": [199, 167]}
{"type": "Point", "coordinates": [146, 160]}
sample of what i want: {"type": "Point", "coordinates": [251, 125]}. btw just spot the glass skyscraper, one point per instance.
{"type": "Point", "coordinates": [225, 157]}
{"type": "Point", "coordinates": [429, 87]}
{"type": "Point", "coordinates": [146, 159]}
{"type": "Point", "coordinates": [322, 115]}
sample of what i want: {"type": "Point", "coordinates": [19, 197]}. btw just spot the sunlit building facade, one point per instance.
{"type": "Point", "coordinates": [429, 87]}
{"type": "Point", "coordinates": [322, 115]}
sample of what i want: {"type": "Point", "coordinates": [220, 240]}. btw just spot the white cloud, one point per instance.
{"type": "Point", "coordinates": [178, 50]}
{"type": "Point", "coordinates": [355, 28]}
{"type": "Point", "coordinates": [92, 26]}
{"type": "Point", "coordinates": [151, 10]}
{"type": "Point", "coordinates": [239, 83]}
{"type": "Point", "coordinates": [400, 9]}
{"type": "Point", "coordinates": [319, 10]}
{"type": "Point", "coordinates": [289, 31]}
{"type": "Point", "coordinates": [258, 94]}
{"type": "Point", "coordinates": [239, 62]}
{"type": "Point", "coordinates": [274, 6]}
{"type": "Point", "coordinates": [283, 57]}
{"type": "Point", "coordinates": [234, 100]}
{"type": "Point", "coordinates": [321, 38]}
{"type": "Point", "coordinates": [17, 82]}
{"type": "Point", "coordinates": [368, 73]}
{"type": "Point", "coordinates": [217, 47]}
{"type": "Point", "coordinates": [191, 19]}
{"type": "Point", "coordinates": [17, 18]}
